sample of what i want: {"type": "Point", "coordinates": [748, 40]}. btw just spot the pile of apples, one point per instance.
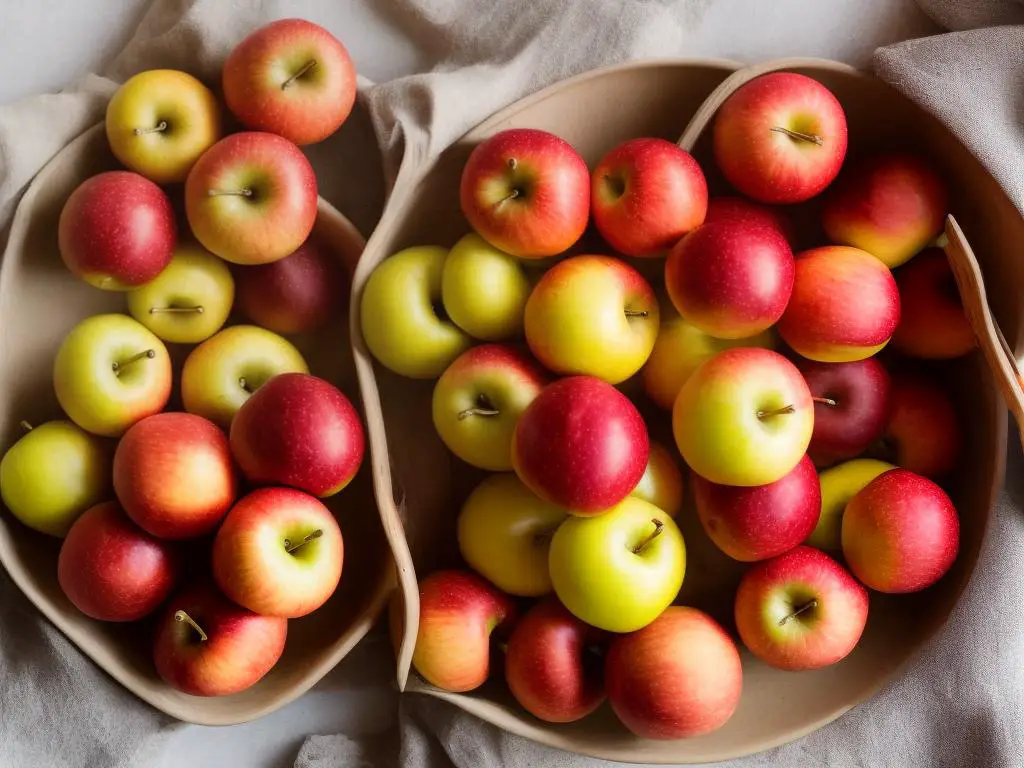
{"type": "Point", "coordinates": [208, 517]}
{"type": "Point", "coordinates": [750, 321]}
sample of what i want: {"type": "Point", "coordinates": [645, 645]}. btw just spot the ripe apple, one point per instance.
{"type": "Point", "coordinates": [744, 417]}
{"type": "Point", "coordinates": [901, 533]}
{"type": "Point", "coordinates": [110, 372]}
{"type": "Point", "coordinates": [759, 522]}
{"type": "Point", "coordinates": [820, 326]}
{"type": "Point", "coordinates": [223, 372]}
{"type": "Point", "coordinates": [112, 570]}
{"type": "Point", "coordinates": [174, 476]}
{"type": "Point", "coordinates": [780, 138]}
{"type": "Point", "coordinates": [160, 121]}
{"type": "Point", "coordinates": [592, 315]}
{"type": "Point", "coordinates": [189, 301]}
{"type": "Point", "coordinates": [680, 676]}
{"type": "Point", "coordinates": [932, 320]}
{"type": "Point", "coordinates": [581, 444]}
{"type": "Point", "coordinates": [116, 230]}
{"type": "Point", "coordinates": [208, 646]}
{"type": "Point", "coordinates": [923, 434]}
{"type": "Point", "coordinates": [839, 484]}
{"type": "Point", "coordinates": [459, 611]}
{"type": "Point", "coordinates": [293, 78]}
{"type": "Point", "coordinates": [279, 552]}
{"type": "Point", "coordinates": [402, 315]}
{"type": "Point", "coordinates": [731, 279]}
{"type": "Point", "coordinates": [800, 610]}
{"type": "Point", "coordinates": [551, 667]}
{"type": "Point", "coordinates": [618, 571]}
{"type": "Point", "coordinates": [646, 194]}
{"type": "Point", "coordinates": [527, 192]}
{"type": "Point", "coordinates": [729, 208]}
{"type": "Point", "coordinates": [53, 473]}
{"type": "Point", "coordinates": [662, 481]}
{"type": "Point", "coordinates": [301, 431]}
{"type": "Point", "coordinates": [251, 198]}
{"type": "Point", "coordinates": [890, 205]}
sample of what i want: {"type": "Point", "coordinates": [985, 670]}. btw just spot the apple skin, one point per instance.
{"type": "Point", "coordinates": [459, 611]}
{"type": "Point", "coordinates": [678, 677]}
{"type": "Point", "coordinates": [592, 315]}
{"type": "Point", "coordinates": [759, 158]}
{"type": "Point", "coordinates": [526, 192]}
{"type": "Point", "coordinates": [933, 324]}
{"type": "Point", "coordinates": [174, 476]}
{"type": "Point", "coordinates": [112, 570]}
{"type": "Point", "coordinates": [923, 433]}
{"type": "Point", "coordinates": [662, 481]}
{"type": "Point", "coordinates": [890, 205]}
{"type": "Point", "coordinates": [251, 198]}
{"type": "Point", "coordinates": [301, 431]}
{"type": "Point", "coordinates": [116, 230]}
{"type": "Point", "coordinates": [756, 523]}
{"type": "Point", "coordinates": [839, 484]}
{"type": "Point", "coordinates": [478, 400]}
{"type": "Point", "coordinates": [581, 444]}
{"type": "Point", "coordinates": [239, 649]}
{"type": "Point", "coordinates": [729, 208]}
{"type": "Point", "coordinates": [835, 610]}
{"type": "Point", "coordinates": [160, 121]}
{"type": "Point", "coordinates": [819, 327]}
{"type": "Point", "coordinates": [731, 279]}
{"type": "Point", "coordinates": [598, 575]}
{"type": "Point", "coordinates": [745, 417]}
{"type": "Point", "coordinates": [646, 194]}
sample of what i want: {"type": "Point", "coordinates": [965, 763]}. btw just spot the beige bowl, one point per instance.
{"type": "Point", "coordinates": [40, 300]}
{"type": "Point", "coordinates": [420, 486]}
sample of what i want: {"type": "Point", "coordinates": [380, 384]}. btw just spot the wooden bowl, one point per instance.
{"type": "Point", "coordinates": [40, 301]}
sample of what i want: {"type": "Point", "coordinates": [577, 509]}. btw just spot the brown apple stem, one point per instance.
{"type": "Point", "coordinates": [825, 401]}
{"type": "Point", "coordinates": [805, 607]}
{"type": "Point", "coordinates": [658, 528]}
{"type": "Point", "coordinates": [176, 310]}
{"type": "Point", "coordinates": [510, 196]}
{"type": "Point", "coordinates": [246, 192]}
{"type": "Point", "coordinates": [292, 548]}
{"type": "Point", "coordinates": [811, 137]}
{"type": "Point", "coordinates": [148, 354]}
{"type": "Point", "coordinates": [182, 616]}
{"type": "Point", "coordinates": [478, 412]}
{"type": "Point", "coordinates": [302, 70]}
{"type": "Point", "coordinates": [636, 313]}
{"type": "Point", "coordinates": [26, 426]}
{"type": "Point", "coordinates": [775, 412]}
{"type": "Point", "coordinates": [161, 126]}
{"type": "Point", "coordinates": [244, 384]}
{"type": "Point", "coordinates": [512, 163]}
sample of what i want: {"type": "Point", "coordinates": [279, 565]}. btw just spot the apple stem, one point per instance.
{"type": "Point", "coordinates": [510, 196]}
{"type": "Point", "coordinates": [176, 310]}
{"type": "Point", "coordinates": [512, 163]}
{"type": "Point", "coordinates": [182, 616]}
{"type": "Point", "coordinates": [805, 607]}
{"type": "Point", "coordinates": [636, 313]}
{"type": "Point", "coordinates": [825, 401]}
{"type": "Point", "coordinates": [161, 126]}
{"type": "Point", "coordinates": [658, 528]}
{"type": "Point", "coordinates": [478, 412]}
{"type": "Point", "coordinates": [148, 354]}
{"type": "Point", "coordinates": [812, 138]}
{"type": "Point", "coordinates": [292, 548]}
{"type": "Point", "coordinates": [776, 412]}
{"type": "Point", "coordinates": [26, 426]}
{"type": "Point", "coordinates": [244, 384]}
{"type": "Point", "coordinates": [302, 70]}
{"type": "Point", "coordinates": [246, 192]}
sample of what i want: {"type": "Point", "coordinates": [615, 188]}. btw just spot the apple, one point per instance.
{"type": "Point", "coordinates": [839, 484]}
{"type": "Point", "coordinates": [112, 570]}
{"type": "Point", "coordinates": [662, 481]}
{"type": "Point", "coordinates": [678, 677]}
{"type": "Point", "coordinates": [526, 192]}
{"type": "Point", "coordinates": [923, 433]}
{"type": "Point", "coordinates": [646, 194]}
{"type": "Point", "coordinates": [820, 326]}
{"type": "Point", "coordinates": [780, 138]}
{"type": "Point", "coordinates": [933, 324]}
{"type": "Point", "coordinates": [730, 208]}
{"type": "Point", "coordinates": [800, 610]}
{"type": "Point", "coordinates": [551, 667]}
{"type": "Point", "coordinates": [402, 316]}
{"type": "Point", "coordinates": [174, 476]}
{"type": "Point", "coordinates": [618, 571]}
{"type": "Point", "coordinates": [759, 522]}
{"type": "Point", "coordinates": [52, 474]}
{"type": "Point", "coordinates": [592, 315]}
{"type": "Point", "coordinates": [223, 372]}
{"type": "Point", "coordinates": [293, 78]}
{"type": "Point", "coordinates": [279, 552]}
{"type": "Point", "coordinates": [744, 417]}
{"type": "Point", "coordinates": [116, 230]}
{"type": "Point", "coordinates": [189, 301]}
{"type": "Point", "coordinates": [208, 646]}
{"type": "Point", "coordinates": [731, 279]}
{"type": "Point", "coordinates": [251, 198]}
{"type": "Point", "coordinates": [301, 431]}
{"type": "Point", "coordinates": [890, 205]}
{"type": "Point", "coordinates": [160, 121]}
{"type": "Point", "coordinates": [581, 444]}
{"type": "Point", "coordinates": [110, 372]}
{"type": "Point", "coordinates": [459, 611]}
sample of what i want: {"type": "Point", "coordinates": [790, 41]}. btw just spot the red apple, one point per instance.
{"type": "Point", "coordinates": [526, 192]}
{"type": "Point", "coordinates": [901, 532]}
{"type": "Point", "coordinates": [932, 320]}
{"type": "Point", "coordinates": [117, 230]}
{"type": "Point", "coordinates": [728, 208]}
{"type": "Point", "coordinates": [923, 432]}
{"type": "Point", "coordinates": [800, 610]}
{"type": "Point", "coordinates": [111, 569]}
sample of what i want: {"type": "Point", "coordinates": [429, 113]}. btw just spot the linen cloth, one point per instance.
{"type": "Point", "coordinates": [959, 704]}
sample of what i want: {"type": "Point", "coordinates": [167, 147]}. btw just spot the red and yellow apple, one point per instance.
{"type": "Point", "coordinates": [933, 324]}
{"type": "Point", "coordinates": [923, 433]}
{"type": "Point", "coordinates": [662, 481]}
{"type": "Point", "coordinates": [839, 484]}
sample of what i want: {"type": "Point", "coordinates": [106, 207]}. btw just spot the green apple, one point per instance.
{"type": "Point", "coordinates": [223, 372]}
{"type": "Point", "coordinates": [618, 571]}
{"type": "Point", "coordinates": [402, 314]}
{"type": "Point", "coordinates": [839, 484]}
{"type": "Point", "coordinates": [189, 301]}
{"type": "Point", "coordinates": [53, 474]}
{"type": "Point", "coordinates": [110, 372]}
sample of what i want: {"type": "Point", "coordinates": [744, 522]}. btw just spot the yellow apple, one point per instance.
{"type": "Point", "coordinates": [662, 483]}
{"type": "Point", "coordinates": [839, 484]}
